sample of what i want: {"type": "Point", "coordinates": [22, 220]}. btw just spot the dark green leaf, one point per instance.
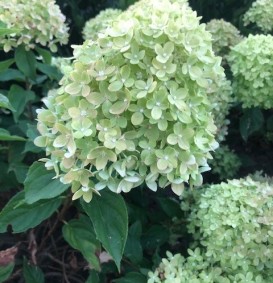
{"type": "Point", "coordinates": [45, 54]}
{"type": "Point", "coordinates": [251, 122]}
{"type": "Point", "coordinates": [26, 61]}
{"type": "Point", "coordinates": [5, 272]}
{"type": "Point", "coordinates": [23, 216]}
{"type": "Point", "coordinates": [132, 277]}
{"type": "Point", "coordinates": [269, 124]}
{"type": "Point", "coordinates": [51, 71]}
{"type": "Point", "coordinates": [155, 236]}
{"type": "Point", "coordinates": [4, 65]}
{"type": "Point", "coordinates": [11, 74]}
{"type": "Point", "coordinates": [20, 170]}
{"type": "Point", "coordinates": [80, 235]}
{"type": "Point", "coordinates": [133, 248]}
{"type": "Point", "coordinates": [170, 206]}
{"type": "Point", "coordinates": [32, 274]}
{"type": "Point", "coordinates": [39, 184]}
{"type": "Point", "coordinates": [109, 216]}
{"type": "Point", "coordinates": [93, 277]}
{"type": "Point", "coordinates": [18, 98]}
{"type": "Point", "coordinates": [4, 102]}
{"type": "Point", "coordinates": [6, 136]}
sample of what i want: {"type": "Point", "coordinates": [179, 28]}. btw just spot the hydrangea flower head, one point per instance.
{"type": "Point", "coordinates": [224, 36]}
{"type": "Point", "coordinates": [34, 22]}
{"type": "Point", "coordinates": [251, 63]}
{"type": "Point", "coordinates": [135, 107]}
{"type": "Point", "coordinates": [260, 13]}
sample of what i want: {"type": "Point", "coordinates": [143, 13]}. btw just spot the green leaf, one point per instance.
{"type": "Point", "coordinates": [18, 98]}
{"type": "Point", "coordinates": [45, 54]}
{"type": "Point", "coordinates": [39, 184]}
{"type": "Point", "coordinates": [51, 71]}
{"type": "Point", "coordinates": [80, 235]}
{"type": "Point", "coordinates": [4, 102]}
{"type": "Point", "coordinates": [6, 136]}
{"type": "Point", "coordinates": [170, 206]}
{"type": "Point", "coordinates": [5, 272]}
{"type": "Point", "coordinates": [23, 216]}
{"type": "Point", "coordinates": [109, 216]}
{"type": "Point", "coordinates": [251, 122]}
{"type": "Point", "coordinates": [93, 277]}
{"type": "Point", "coordinates": [4, 65]}
{"type": "Point", "coordinates": [26, 61]}
{"type": "Point", "coordinates": [133, 248]}
{"type": "Point", "coordinates": [11, 74]}
{"type": "Point", "coordinates": [155, 236]}
{"type": "Point", "coordinates": [132, 277]}
{"type": "Point", "coordinates": [32, 274]}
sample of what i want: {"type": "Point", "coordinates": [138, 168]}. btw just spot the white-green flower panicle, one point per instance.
{"type": "Point", "coordinates": [232, 224]}
{"type": "Point", "coordinates": [135, 107]}
{"type": "Point", "coordinates": [34, 23]}
{"type": "Point", "coordinates": [261, 14]}
{"type": "Point", "coordinates": [251, 63]}
{"type": "Point", "coordinates": [93, 27]}
{"type": "Point", "coordinates": [224, 36]}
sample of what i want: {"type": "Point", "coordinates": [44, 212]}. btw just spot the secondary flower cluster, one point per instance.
{"type": "Point", "coordinates": [225, 163]}
{"type": "Point", "coordinates": [33, 22]}
{"type": "Point", "coordinates": [260, 13]}
{"type": "Point", "coordinates": [104, 19]}
{"type": "Point", "coordinates": [224, 36]}
{"type": "Point", "coordinates": [135, 108]}
{"type": "Point", "coordinates": [232, 225]}
{"type": "Point", "coordinates": [251, 63]}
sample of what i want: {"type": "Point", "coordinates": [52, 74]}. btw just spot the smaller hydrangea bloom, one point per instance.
{"type": "Point", "coordinates": [224, 36]}
{"type": "Point", "coordinates": [261, 14]}
{"type": "Point", "coordinates": [37, 23]}
{"type": "Point", "coordinates": [93, 27]}
{"type": "Point", "coordinates": [251, 63]}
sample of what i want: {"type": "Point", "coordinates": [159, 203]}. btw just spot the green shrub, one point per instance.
{"type": "Point", "coordinates": [251, 63]}
{"type": "Point", "coordinates": [136, 105]}
{"type": "Point", "coordinates": [261, 14]}
{"type": "Point", "coordinates": [32, 23]}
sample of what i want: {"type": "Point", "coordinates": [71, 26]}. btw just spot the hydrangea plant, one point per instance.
{"type": "Point", "coordinates": [135, 107]}
{"type": "Point", "coordinates": [95, 25]}
{"type": "Point", "coordinates": [63, 64]}
{"type": "Point", "coordinates": [32, 22]}
{"type": "Point", "coordinates": [225, 163]}
{"type": "Point", "coordinates": [251, 63]}
{"type": "Point", "coordinates": [233, 229]}
{"type": "Point", "coordinates": [224, 36]}
{"type": "Point", "coordinates": [260, 13]}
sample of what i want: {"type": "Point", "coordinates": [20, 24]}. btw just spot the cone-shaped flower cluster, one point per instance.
{"type": "Point", "coordinates": [32, 22]}
{"type": "Point", "coordinates": [135, 108]}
